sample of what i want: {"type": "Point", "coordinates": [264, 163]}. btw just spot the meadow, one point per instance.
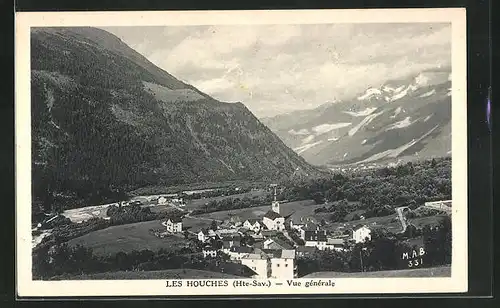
{"type": "Point", "coordinates": [298, 208]}
{"type": "Point", "coordinates": [129, 237]}
{"type": "Point", "coordinates": [442, 271]}
{"type": "Point", "coordinates": [163, 274]}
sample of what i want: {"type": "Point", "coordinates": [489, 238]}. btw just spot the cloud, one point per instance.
{"type": "Point", "coordinates": [280, 68]}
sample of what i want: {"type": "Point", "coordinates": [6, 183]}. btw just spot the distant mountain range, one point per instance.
{"type": "Point", "coordinates": [403, 119]}
{"type": "Point", "coordinates": [104, 117]}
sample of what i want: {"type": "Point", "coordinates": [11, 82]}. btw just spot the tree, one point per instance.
{"type": "Point", "coordinates": [213, 225]}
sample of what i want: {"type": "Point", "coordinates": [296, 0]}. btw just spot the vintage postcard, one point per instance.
{"type": "Point", "coordinates": [241, 152]}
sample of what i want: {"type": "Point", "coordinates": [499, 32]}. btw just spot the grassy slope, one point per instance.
{"type": "Point", "coordinates": [301, 208]}
{"type": "Point", "coordinates": [444, 271]}
{"type": "Point", "coordinates": [164, 274]}
{"type": "Point", "coordinates": [127, 238]}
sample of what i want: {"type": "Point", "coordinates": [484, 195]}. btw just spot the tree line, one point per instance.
{"type": "Point", "coordinates": [384, 252]}
{"type": "Point", "coordinates": [376, 191]}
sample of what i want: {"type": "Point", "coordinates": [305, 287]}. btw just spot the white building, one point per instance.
{"type": "Point", "coordinates": [174, 225]}
{"type": "Point", "coordinates": [205, 235]}
{"type": "Point", "coordinates": [252, 224]}
{"type": "Point", "coordinates": [308, 227]}
{"type": "Point", "coordinates": [274, 221]}
{"type": "Point", "coordinates": [258, 262]}
{"type": "Point", "coordinates": [316, 239]}
{"type": "Point", "coordinates": [276, 243]}
{"type": "Point", "coordinates": [236, 253]}
{"type": "Point", "coordinates": [226, 232]}
{"type": "Point", "coordinates": [209, 252]}
{"type": "Point", "coordinates": [282, 264]}
{"type": "Point", "coordinates": [336, 244]}
{"type": "Point", "coordinates": [361, 233]}
{"type": "Point", "coordinates": [162, 200]}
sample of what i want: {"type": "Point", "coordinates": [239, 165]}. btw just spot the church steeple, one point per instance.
{"type": "Point", "coordinates": [275, 205]}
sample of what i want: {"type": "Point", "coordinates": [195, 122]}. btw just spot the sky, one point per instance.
{"type": "Point", "coordinates": [275, 69]}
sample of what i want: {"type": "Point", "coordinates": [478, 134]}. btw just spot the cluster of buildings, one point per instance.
{"type": "Point", "coordinates": [266, 245]}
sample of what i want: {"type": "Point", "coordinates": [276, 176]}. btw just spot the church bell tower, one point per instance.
{"type": "Point", "coordinates": [275, 205]}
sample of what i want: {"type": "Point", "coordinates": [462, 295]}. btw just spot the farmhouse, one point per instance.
{"type": "Point", "coordinates": [252, 224]}
{"type": "Point", "coordinates": [360, 233]}
{"type": "Point", "coordinates": [335, 244]}
{"type": "Point", "coordinates": [276, 243]}
{"type": "Point", "coordinates": [162, 200]}
{"type": "Point", "coordinates": [205, 235]}
{"type": "Point", "coordinates": [226, 232]}
{"type": "Point", "coordinates": [237, 252]}
{"type": "Point", "coordinates": [296, 226]}
{"type": "Point", "coordinates": [231, 241]}
{"type": "Point", "coordinates": [309, 227]}
{"type": "Point", "coordinates": [316, 238]}
{"type": "Point", "coordinates": [209, 251]}
{"type": "Point", "coordinates": [274, 221]}
{"type": "Point", "coordinates": [174, 225]}
{"type": "Point", "coordinates": [303, 251]}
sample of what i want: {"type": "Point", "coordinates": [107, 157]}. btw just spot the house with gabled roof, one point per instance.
{"type": "Point", "coordinates": [205, 235]}
{"type": "Point", "coordinates": [230, 241]}
{"type": "Point", "coordinates": [316, 238]}
{"type": "Point", "coordinates": [237, 252]}
{"type": "Point", "coordinates": [252, 224]}
{"type": "Point", "coordinates": [309, 227]}
{"type": "Point", "coordinates": [282, 263]}
{"type": "Point", "coordinates": [274, 221]}
{"type": "Point", "coordinates": [303, 251]}
{"type": "Point", "coordinates": [276, 243]}
{"type": "Point", "coordinates": [336, 244]}
{"type": "Point", "coordinates": [258, 261]}
{"type": "Point", "coordinates": [174, 225]}
{"type": "Point", "coordinates": [209, 251]}
{"type": "Point", "coordinates": [361, 233]}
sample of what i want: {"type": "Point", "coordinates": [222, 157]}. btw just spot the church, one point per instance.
{"type": "Point", "coordinates": [273, 220]}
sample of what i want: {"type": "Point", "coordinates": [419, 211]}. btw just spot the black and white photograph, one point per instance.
{"type": "Point", "coordinates": [248, 155]}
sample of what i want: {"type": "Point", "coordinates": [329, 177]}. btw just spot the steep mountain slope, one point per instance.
{"type": "Point", "coordinates": [403, 119]}
{"type": "Point", "coordinates": [105, 119]}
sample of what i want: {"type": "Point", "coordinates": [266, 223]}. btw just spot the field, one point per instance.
{"type": "Point", "coordinates": [127, 238]}
{"type": "Point", "coordinates": [164, 274]}
{"type": "Point", "coordinates": [199, 203]}
{"type": "Point", "coordinates": [298, 208]}
{"type": "Point", "coordinates": [390, 222]}
{"type": "Point", "coordinates": [84, 213]}
{"type": "Point", "coordinates": [159, 189]}
{"type": "Point", "coordinates": [443, 271]}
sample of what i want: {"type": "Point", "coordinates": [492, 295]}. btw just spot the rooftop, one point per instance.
{"type": "Point", "coordinates": [175, 219]}
{"type": "Point", "coordinates": [335, 241]}
{"type": "Point", "coordinates": [280, 253]}
{"type": "Point", "coordinates": [307, 249]}
{"type": "Point", "coordinates": [281, 243]}
{"type": "Point", "coordinates": [357, 227]}
{"type": "Point", "coordinates": [241, 249]}
{"type": "Point", "coordinates": [310, 226]}
{"type": "Point", "coordinates": [272, 215]}
{"type": "Point", "coordinates": [315, 236]}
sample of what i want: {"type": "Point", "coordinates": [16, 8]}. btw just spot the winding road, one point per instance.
{"type": "Point", "coordinates": [402, 218]}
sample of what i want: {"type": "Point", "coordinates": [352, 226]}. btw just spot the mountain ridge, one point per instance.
{"type": "Point", "coordinates": [379, 125]}
{"type": "Point", "coordinates": [105, 119]}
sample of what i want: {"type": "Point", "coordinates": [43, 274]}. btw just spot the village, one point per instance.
{"type": "Point", "coordinates": [266, 237]}
{"type": "Point", "coordinates": [268, 246]}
